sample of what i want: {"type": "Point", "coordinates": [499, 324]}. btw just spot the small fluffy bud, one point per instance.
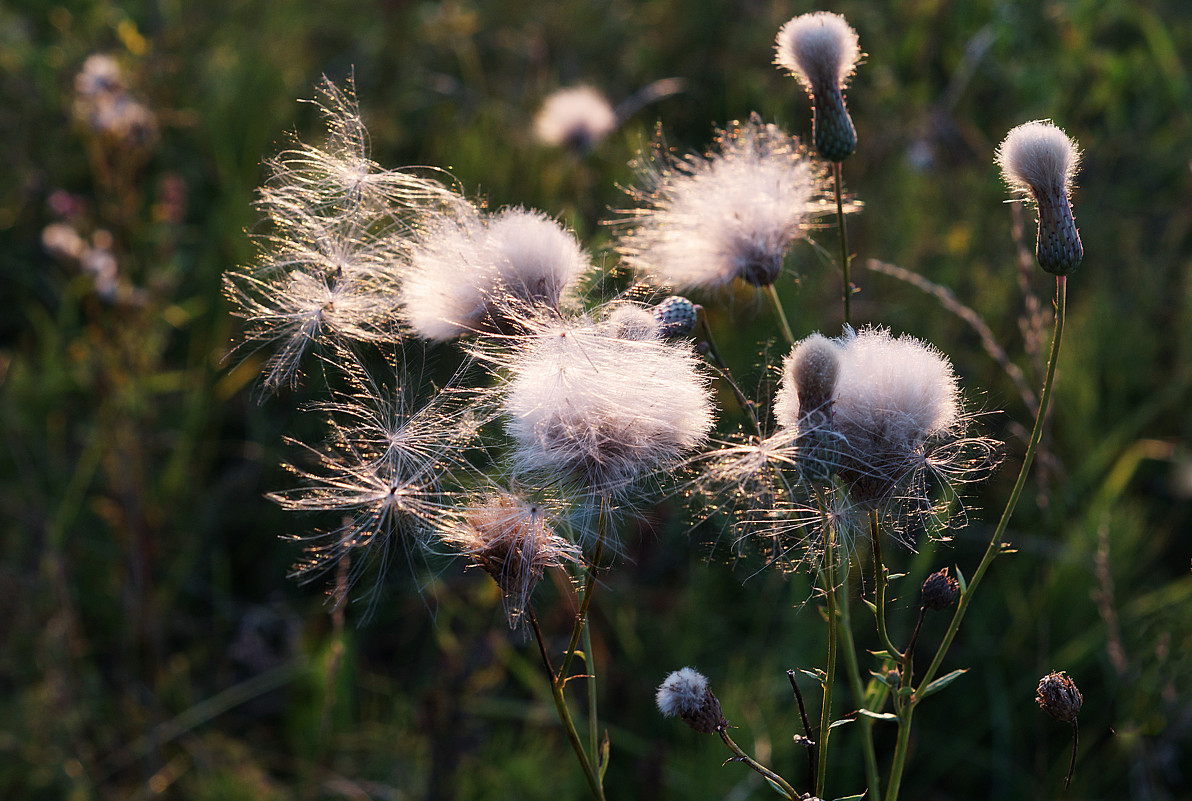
{"type": "Point", "coordinates": [676, 316]}
{"type": "Point", "coordinates": [805, 399]}
{"type": "Point", "coordinates": [939, 591]}
{"type": "Point", "coordinates": [578, 118]}
{"type": "Point", "coordinates": [633, 323]}
{"type": "Point", "coordinates": [1059, 697]}
{"type": "Point", "coordinates": [686, 694]}
{"type": "Point", "coordinates": [821, 49]}
{"type": "Point", "coordinates": [1040, 160]}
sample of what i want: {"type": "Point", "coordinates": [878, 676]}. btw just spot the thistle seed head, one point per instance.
{"type": "Point", "coordinates": [1059, 697]}
{"type": "Point", "coordinates": [578, 118]}
{"type": "Point", "coordinates": [676, 316]}
{"type": "Point", "coordinates": [821, 50]}
{"type": "Point", "coordinates": [686, 694]}
{"type": "Point", "coordinates": [1039, 160]}
{"type": "Point", "coordinates": [939, 590]}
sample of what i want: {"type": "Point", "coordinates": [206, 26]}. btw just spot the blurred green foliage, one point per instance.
{"type": "Point", "coordinates": [150, 643]}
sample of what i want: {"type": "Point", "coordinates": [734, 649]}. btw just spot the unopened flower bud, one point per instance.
{"type": "Point", "coordinates": [676, 316]}
{"type": "Point", "coordinates": [820, 49]}
{"type": "Point", "coordinates": [1040, 160]}
{"type": "Point", "coordinates": [939, 590]}
{"type": "Point", "coordinates": [686, 694]}
{"type": "Point", "coordinates": [1059, 697]}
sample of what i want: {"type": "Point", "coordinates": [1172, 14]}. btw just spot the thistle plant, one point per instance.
{"type": "Point", "coordinates": [572, 410]}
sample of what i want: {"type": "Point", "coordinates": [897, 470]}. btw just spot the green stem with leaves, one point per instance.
{"type": "Point", "coordinates": [995, 545]}
{"type": "Point", "coordinates": [851, 662]}
{"type": "Point", "coordinates": [779, 783]}
{"type": "Point", "coordinates": [828, 577]}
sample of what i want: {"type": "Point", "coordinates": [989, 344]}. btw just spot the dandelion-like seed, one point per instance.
{"type": "Point", "coordinates": [578, 118]}
{"type": "Point", "coordinates": [685, 694]}
{"type": "Point", "coordinates": [511, 539]}
{"type": "Point", "coordinates": [706, 221]}
{"type": "Point", "coordinates": [821, 50]}
{"type": "Point", "coordinates": [467, 272]}
{"type": "Point", "coordinates": [386, 471]}
{"type": "Point", "coordinates": [1040, 160]}
{"type": "Point", "coordinates": [585, 402]}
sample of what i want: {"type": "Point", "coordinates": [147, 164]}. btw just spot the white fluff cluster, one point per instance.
{"type": "Point", "coordinates": [1039, 159]}
{"type": "Point", "coordinates": [467, 271]}
{"type": "Point", "coordinates": [892, 399]}
{"type": "Point", "coordinates": [578, 117]}
{"type": "Point", "coordinates": [603, 403]}
{"type": "Point", "coordinates": [732, 214]}
{"type": "Point", "coordinates": [820, 49]}
{"type": "Point", "coordinates": [683, 693]}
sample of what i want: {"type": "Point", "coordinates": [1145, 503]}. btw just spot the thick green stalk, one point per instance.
{"type": "Point", "coordinates": [880, 580]}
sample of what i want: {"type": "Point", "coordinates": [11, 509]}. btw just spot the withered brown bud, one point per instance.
{"type": "Point", "coordinates": [1059, 697]}
{"type": "Point", "coordinates": [939, 590]}
{"type": "Point", "coordinates": [686, 694]}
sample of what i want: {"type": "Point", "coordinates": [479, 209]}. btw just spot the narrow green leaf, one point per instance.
{"type": "Point", "coordinates": [872, 606]}
{"type": "Point", "coordinates": [877, 715]}
{"type": "Point", "coordinates": [777, 789]}
{"type": "Point", "coordinates": [603, 766]}
{"type": "Point", "coordinates": [817, 674]}
{"type": "Point", "coordinates": [896, 576]}
{"type": "Point", "coordinates": [883, 654]}
{"type": "Point", "coordinates": [961, 579]}
{"type": "Point", "coordinates": [941, 683]}
{"type": "Point", "coordinates": [856, 797]}
{"type": "Point", "coordinates": [842, 722]}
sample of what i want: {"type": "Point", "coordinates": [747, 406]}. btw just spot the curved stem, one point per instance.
{"type": "Point", "coordinates": [1072, 764]}
{"type": "Point", "coordinates": [556, 691]}
{"type": "Point", "coordinates": [880, 580]}
{"type": "Point", "coordinates": [995, 542]}
{"type": "Point", "coordinates": [771, 776]}
{"type": "Point", "coordinates": [776, 305]}
{"type": "Point", "coordinates": [722, 368]}
{"type": "Point", "coordinates": [581, 616]}
{"type": "Point", "coordinates": [845, 259]}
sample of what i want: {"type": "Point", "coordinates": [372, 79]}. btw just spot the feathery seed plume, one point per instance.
{"type": "Point", "coordinates": [821, 50]}
{"type": "Point", "coordinates": [585, 402]}
{"type": "Point", "coordinates": [706, 221]}
{"type": "Point", "coordinates": [1040, 160]}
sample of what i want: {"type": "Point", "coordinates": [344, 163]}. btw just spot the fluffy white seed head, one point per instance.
{"type": "Point", "coordinates": [809, 377]}
{"type": "Point", "coordinates": [468, 272]}
{"type": "Point", "coordinates": [706, 221]}
{"type": "Point", "coordinates": [682, 693]}
{"type": "Point", "coordinates": [585, 403]}
{"type": "Point", "coordinates": [820, 49]}
{"type": "Point", "coordinates": [685, 694]}
{"type": "Point", "coordinates": [577, 117]}
{"type": "Point", "coordinates": [1039, 159]}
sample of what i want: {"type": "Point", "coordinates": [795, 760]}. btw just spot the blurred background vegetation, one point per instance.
{"type": "Point", "coordinates": [150, 642]}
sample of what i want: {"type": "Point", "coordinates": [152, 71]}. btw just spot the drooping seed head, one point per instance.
{"type": "Point", "coordinates": [1040, 160]}
{"type": "Point", "coordinates": [1058, 696]}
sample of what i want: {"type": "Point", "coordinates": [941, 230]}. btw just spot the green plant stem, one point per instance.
{"type": "Point", "coordinates": [722, 368]}
{"type": "Point", "coordinates": [995, 541]}
{"type": "Point", "coordinates": [593, 721]}
{"type": "Point", "coordinates": [581, 615]}
{"type": "Point", "coordinates": [880, 580]}
{"type": "Point", "coordinates": [854, 676]}
{"type": "Point", "coordinates": [771, 776]}
{"type": "Point", "coordinates": [829, 580]}
{"type": "Point", "coordinates": [906, 713]}
{"type": "Point", "coordinates": [845, 259]}
{"type": "Point", "coordinates": [556, 691]}
{"type": "Point", "coordinates": [776, 305]}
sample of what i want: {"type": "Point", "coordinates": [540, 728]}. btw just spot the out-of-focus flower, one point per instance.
{"type": "Point", "coordinates": [1040, 160]}
{"type": "Point", "coordinates": [105, 105]}
{"type": "Point", "coordinates": [577, 117]}
{"type": "Point", "coordinates": [706, 221]}
{"type": "Point", "coordinates": [821, 50]}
